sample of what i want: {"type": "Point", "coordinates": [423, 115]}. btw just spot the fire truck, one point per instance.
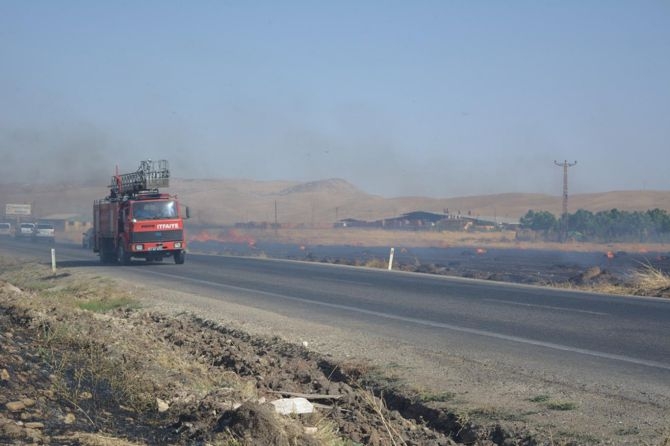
{"type": "Point", "coordinates": [137, 220]}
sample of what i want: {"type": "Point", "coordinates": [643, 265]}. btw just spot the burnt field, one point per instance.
{"type": "Point", "coordinates": [529, 266]}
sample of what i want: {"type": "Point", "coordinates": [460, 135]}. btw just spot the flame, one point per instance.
{"type": "Point", "coordinates": [223, 236]}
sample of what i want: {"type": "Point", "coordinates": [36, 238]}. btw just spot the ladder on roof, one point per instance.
{"type": "Point", "coordinates": [149, 176]}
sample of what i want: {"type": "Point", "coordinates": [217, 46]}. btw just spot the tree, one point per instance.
{"type": "Point", "coordinates": [660, 220]}
{"type": "Point", "coordinates": [606, 226]}
{"type": "Point", "coordinates": [538, 221]}
{"type": "Point", "coordinates": [582, 221]}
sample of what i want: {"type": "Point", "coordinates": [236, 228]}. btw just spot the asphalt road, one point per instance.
{"type": "Point", "coordinates": [584, 337]}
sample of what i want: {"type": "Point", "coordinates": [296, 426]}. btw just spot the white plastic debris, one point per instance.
{"type": "Point", "coordinates": [287, 406]}
{"type": "Point", "coordinates": [162, 405]}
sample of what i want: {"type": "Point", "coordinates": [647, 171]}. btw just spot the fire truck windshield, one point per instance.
{"type": "Point", "coordinates": [152, 210]}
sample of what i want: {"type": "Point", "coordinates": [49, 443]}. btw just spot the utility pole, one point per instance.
{"type": "Point", "coordinates": [276, 225]}
{"type": "Point", "coordinates": [564, 217]}
{"type": "Point", "coordinates": [276, 219]}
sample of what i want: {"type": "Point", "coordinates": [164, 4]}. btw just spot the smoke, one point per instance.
{"type": "Point", "coordinates": [82, 155]}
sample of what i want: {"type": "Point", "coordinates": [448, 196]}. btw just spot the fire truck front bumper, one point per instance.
{"type": "Point", "coordinates": [153, 247]}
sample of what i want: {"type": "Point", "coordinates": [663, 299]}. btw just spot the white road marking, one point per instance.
{"type": "Point", "coordinates": [506, 302]}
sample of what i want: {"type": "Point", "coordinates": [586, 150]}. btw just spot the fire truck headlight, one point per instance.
{"type": "Point", "coordinates": [177, 244]}
{"type": "Point", "coordinates": [139, 247]}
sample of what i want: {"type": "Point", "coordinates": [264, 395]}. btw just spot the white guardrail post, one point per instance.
{"type": "Point", "coordinates": [53, 260]}
{"type": "Point", "coordinates": [391, 259]}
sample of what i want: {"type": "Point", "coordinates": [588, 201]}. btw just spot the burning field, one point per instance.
{"type": "Point", "coordinates": [625, 269]}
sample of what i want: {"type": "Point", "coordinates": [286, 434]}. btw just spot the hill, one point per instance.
{"type": "Point", "coordinates": [317, 203]}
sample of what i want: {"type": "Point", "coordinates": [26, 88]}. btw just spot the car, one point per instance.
{"type": "Point", "coordinates": [25, 230]}
{"type": "Point", "coordinates": [5, 229]}
{"type": "Point", "coordinates": [44, 232]}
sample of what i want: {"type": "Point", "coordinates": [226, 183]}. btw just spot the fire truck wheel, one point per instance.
{"type": "Point", "coordinates": [121, 256]}
{"type": "Point", "coordinates": [179, 257]}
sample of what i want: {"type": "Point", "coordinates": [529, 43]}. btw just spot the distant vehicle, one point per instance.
{"type": "Point", "coordinates": [5, 229]}
{"type": "Point", "coordinates": [87, 238]}
{"type": "Point", "coordinates": [44, 232]}
{"type": "Point", "coordinates": [25, 230]}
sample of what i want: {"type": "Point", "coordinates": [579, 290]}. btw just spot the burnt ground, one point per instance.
{"type": "Point", "coordinates": [527, 266]}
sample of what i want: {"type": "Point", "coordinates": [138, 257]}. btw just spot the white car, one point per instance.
{"type": "Point", "coordinates": [5, 229]}
{"type": "Point", "coordinates": [44, 232]}
{"type": "Point", "coordinates": [25, 230]}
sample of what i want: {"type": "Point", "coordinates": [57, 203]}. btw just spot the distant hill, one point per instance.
{"type": "Point", "coordinates": [319, 203]}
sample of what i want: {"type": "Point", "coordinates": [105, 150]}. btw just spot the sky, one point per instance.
{"type": "Point", "coordinates": [400, 98]}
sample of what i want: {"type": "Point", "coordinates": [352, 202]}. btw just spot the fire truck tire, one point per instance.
{"type": "Point", "coordinates": [121, 256]}
{"type": "Point", "coordinates": [179, 257]}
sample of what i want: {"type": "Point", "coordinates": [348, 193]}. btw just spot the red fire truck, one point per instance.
{"type": "Point", "coordinates": [136, 220]}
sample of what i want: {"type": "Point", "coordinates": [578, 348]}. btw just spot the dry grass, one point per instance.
{"type": "Point", "coordinates": [382, 237]}
{"type": "Point", "coordinates": [644, 281]}
{"type": "Point", "coordinates": [376, 263]}
{"type": "Point", "coordinates": [379, 407]}
{"type": "Point", "coordinates": [89, 439]}
{"type": "Point", "coordinates": [649, 278]}
{"type": "Point", "coordinates": [327, 432]}
{"type": "Point", "coordinates": [88, 373]}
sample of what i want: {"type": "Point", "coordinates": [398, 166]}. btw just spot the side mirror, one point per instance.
{"type": "Point", "coordinates": [188, 212]}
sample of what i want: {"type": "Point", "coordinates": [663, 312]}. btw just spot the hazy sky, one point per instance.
{"type": "Point", "coordinates": [435, 98]}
